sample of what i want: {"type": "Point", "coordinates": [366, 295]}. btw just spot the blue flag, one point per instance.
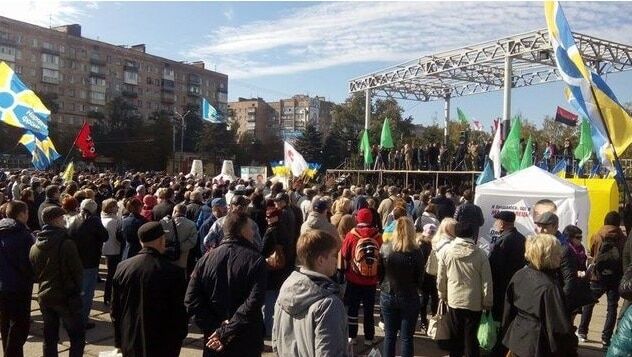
{"type": "Point", "coordinates": [42, 149]}
{"type": "Point", "coordinates": [559, 167]}
{"type": "Point", "coordinates": [209, 113]}
{"type": "Point", "coordinates": [487, 174]}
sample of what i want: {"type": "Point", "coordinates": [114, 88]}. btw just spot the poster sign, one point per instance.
{"type": "Point", "coordinates": [257, 173]}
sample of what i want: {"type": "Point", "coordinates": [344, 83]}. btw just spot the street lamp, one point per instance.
{"type": "Point", "coordinates": [182, 127]}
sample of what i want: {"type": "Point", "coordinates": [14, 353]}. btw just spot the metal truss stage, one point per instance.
{"type": "Point", "coordinates": [378, 177]}
{"type": "Point", "coordinates": [481, 68]}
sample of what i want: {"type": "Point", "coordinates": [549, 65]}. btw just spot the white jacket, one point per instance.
{"type": "Point", "coordinates": [112, 224]}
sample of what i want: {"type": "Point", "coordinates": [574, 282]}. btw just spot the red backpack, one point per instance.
{"type": "Point", "coordinates": [366, 255]}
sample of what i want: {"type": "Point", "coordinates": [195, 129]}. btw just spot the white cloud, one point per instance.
{"type": "Point", "coordinates": [331, 34]}
{"type": "Point", "coordinates": [45, 13]}
{"type": "Point", "coordinates": [228, 14]}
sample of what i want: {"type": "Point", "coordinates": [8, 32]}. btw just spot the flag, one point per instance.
{"type": "Point", "coordinates": [476, 125]}
{"type": "Point", "coordinates": [386, 140]}
{"type": "Point", "coordinates": [19, 106]}
{"type": "Point", "coordinates": [294, 160]}
{"type": "Point", "coordinates": [69, 172]}
{"type": "Point", "coordinates": [565, 117]}
{"type": "Point", "coordinates": [510, 154]}
{"type": "Point", "coordinates": [365, 147]}
{"type": "Point", "coordinates": [461, 115]}
{"type": "Point", "coordinates": [209, 113]}
{"type": "Point", "coordinates": [560, 168]}
{"type": "Point", "coordinates": [584, 149]}
{"type": "Point", "coordinates": [487, 174]}
{"type": "Point", "coordinates": [494, 151]}
{"type": "Point", "coordinates": [84, 142]}
{"type": "Point", "coordinates": [527, 156]}
{"type": "Point", "coordinates": [587, 91]}
{"type": "Point", "coordinates": [42, 150]}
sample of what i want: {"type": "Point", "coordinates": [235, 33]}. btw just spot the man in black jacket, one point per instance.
{"type": "Point", "coordinates": [505, 259]}
{"type": "Point", "coordinates": [58, 270]}
{"type": "Point", "coordinates": [52, 200]}
{"type": "Point", "coordinates": [226, 292]}
{"type": "Point", "coordinates": [470, 213]}
{"type": "Point", "coordinates": [16, 278]}
{"type": "Point", "coordinates": [445, 206]}
{"type": "Point", "coordinates": [147, 300]}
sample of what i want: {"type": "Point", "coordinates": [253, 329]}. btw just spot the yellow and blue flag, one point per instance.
{"type": "Point", "coordinates": [587, 91]}
{"type": "Point", "coordinates": [209, 113]}
{"type": "Point", "coordinates": [19, 106]}
{"type": "Point", "coordinates": [42, 150]}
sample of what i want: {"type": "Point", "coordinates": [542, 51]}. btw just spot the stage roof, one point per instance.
{"type": "Point", "coordinates": [480, 68]}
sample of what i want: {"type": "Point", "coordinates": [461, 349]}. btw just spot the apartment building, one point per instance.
{"type": "Point", "coordinates": [296, 112]}
{"type": "Point", "coordinates": [85, 74]}
{"type": "Point", "coordinates": [255, 119]}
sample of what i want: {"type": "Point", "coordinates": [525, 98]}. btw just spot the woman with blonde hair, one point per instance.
{"type": "Point", "coordinates": [534, 321]}
{"type": "Point", "coordinates": [342, 207]}
{"type": "Point", "coordinates": [401, 278]}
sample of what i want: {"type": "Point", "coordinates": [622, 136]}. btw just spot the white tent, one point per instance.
{"type": "Point", "coordinates": [518, 193]}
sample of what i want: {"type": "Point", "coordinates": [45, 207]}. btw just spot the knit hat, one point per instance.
{"type": "Point", "coordinates": [89, 205]}
{"type": "Point", "coordinates": [364, 217]}
{"type": "Point", "coordinates": [150, 231]}
{"type": "Point", "coordinates": [429, 229]}
{"type": "Point", "coordinates": [150, 201]}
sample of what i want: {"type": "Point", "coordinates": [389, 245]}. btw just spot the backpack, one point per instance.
{"type": "Point", "coordinates": [366, 255]}
{"type": "Point", "coordinates": [608, 263]}
{"type": "Point", "coordinates": [173, 241]}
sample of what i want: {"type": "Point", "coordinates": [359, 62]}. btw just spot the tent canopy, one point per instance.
{"type": "Point", "coordinates": [520, 191]}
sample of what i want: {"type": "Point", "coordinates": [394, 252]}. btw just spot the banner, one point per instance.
{"type": "Point", "coordinates": [257, 173]}
{"type": "Point", "coordinates": [84, 142]}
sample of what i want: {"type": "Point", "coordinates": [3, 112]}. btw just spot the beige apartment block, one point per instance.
{"type": "Point", "coordinates": [85, 74]}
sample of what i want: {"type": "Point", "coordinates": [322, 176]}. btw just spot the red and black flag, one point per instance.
{"type": "Point", "coordinates": [84, 142]}
{"type": "Point", "coordinates": [565, 117]}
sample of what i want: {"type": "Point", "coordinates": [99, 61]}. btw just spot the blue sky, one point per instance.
{"type": "Point", "coordinates": [278, 49]}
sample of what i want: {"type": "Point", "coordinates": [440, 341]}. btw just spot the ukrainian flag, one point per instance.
{"type": "Point", "coordinates": [19, 106]}
{"type": "Point", "coordinates": [42, 150]}
{"type": "Point", "coordinates": [587, 91]}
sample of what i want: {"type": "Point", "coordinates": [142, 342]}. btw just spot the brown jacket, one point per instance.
{"type": "Point", "coordinates": [606, 232]}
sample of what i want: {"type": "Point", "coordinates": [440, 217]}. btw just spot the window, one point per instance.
{"type": "Point", "coordinates": [48, 46]}
{"type": "Point", "coordinates": [97, 81]}
{"type": "Point", "coordinates": [130, 77]}
{"type": "Point", "coordinates": [50, 75]}
{"type": "Point", "coordinates": [94, 68]}
{"type": "Point", "coordinates": [97, 96]}
{"type": "Point", "coordinates": [149, 80]}
{"type": "Point", "coordinates": [71, 92]}
{"type": "Point", "coordinates": [7, 50]}
{"type": "Point", "coordinates": [34, 42]}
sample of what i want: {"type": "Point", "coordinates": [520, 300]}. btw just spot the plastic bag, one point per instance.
{"type": "Point", "coordinates": [487, 332]}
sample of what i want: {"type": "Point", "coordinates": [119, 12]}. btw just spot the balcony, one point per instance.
{"type": "Point", "coordinates": [131, 66]}
{"type": "Point", "coordinates": [129, 93]}
{"type": "Point", "coordinates": [97, 75]}
{"type": "Point", "coordinates": [167, 99]}
{"type": "Point", "coordinates": [193, 91]}
{"type": "Point", "coordinates": [50, 51]}
{"type": "Point", "coordinates": [168, 74]}
{"type": "Point", "coordinates": [167, 85]}
{"type": "Point", "coordinates": [97, 61]}
{"type": "Point", "coordinates": [51, 80]}
{"type": "Point", "coordinates": [194, 79]}
{"type": "Point", "coordinates": [8, 41]}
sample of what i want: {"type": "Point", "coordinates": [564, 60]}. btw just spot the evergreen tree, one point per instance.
{"type": "Point", "coordinates": [310, 144]}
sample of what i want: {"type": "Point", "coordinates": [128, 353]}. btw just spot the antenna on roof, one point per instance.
{"type": "Point", "coordinates": [50, 20]}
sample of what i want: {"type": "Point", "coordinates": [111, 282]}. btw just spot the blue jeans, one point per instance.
{"type": "Point", "coordinates": [399, 313]}
{"type": "Point", "coordinates": [612, 296]}
{"type": "Point", "coordinates": [268, 310]}
{"type": "Point", "coordinates": [87, 290]}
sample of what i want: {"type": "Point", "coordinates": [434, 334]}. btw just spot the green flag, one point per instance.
{"type": "Point", "coordinates": [366, 148]}
{"type": "Point", "coordinates": [386, 140]}
{"type": "Point", "coordinates": [510, 154]}
{"type": "Point", "coordinates": [462, 116]}
{"type": "Point", "coordinates": [584, 149]}
{"type": "Point", "coordinates": [527, 156]}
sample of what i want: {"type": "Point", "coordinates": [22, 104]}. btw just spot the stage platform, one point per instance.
{"type": "Point", "coordinates": [405, 177]}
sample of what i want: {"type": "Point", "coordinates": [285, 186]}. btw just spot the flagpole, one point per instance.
{"type": "Point", "coordinates": [626, 189]}
{"type": "Point", "coordinates": [73, 144]}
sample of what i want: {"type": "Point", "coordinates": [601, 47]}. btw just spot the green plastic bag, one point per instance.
{"type": "Point", "coordinates": [487, 332]}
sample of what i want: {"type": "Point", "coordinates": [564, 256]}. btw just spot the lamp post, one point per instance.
{"type": "Point", "coordinates": [182, 127]}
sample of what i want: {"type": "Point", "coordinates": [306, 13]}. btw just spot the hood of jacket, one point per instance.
{"type": "Point", "coordinates": [49, 236]}
{"type": "Point", "coordinates": [303, 288]}
{"type": "Point", "coordinates": [10, 225]}
{"type": "Point", "coordinates": [462, 247]}
{"type": "Point", "coordinates": [316, 220]}
{"type": "Point", "coordinates": [609, 232]}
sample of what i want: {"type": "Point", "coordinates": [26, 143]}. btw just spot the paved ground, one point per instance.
{"type": "Point", "coordinates": [101, 338]}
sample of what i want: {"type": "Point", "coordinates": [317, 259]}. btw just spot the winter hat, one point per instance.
{"type": "Point", "coordinates": [364, 217]}
{"type": "Point", "coordinates": [89, 205]}
{"type": "Point", "coordinates": [150, 201]}
{"type": "Point", "coordinates": [150, 231]}
{"type": "Point", "coordinates": [429, 229]}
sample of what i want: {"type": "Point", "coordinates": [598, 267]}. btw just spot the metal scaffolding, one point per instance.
{"type": "Point", "coordinates": [528, 59]}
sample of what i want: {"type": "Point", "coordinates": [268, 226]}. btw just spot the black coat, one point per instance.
{"type": "Point", "coordinates": [535, 322]}
{"type": "Point", "coordinates": [16, 273]}
{"type": "Point", "coordinates": [162, 210]}
{"type": "Point", "coordinates": [505, 259]}
{"type": "Point", "coordinates": [148, 306]}
{"type": "Point", "coordinates": [229, 283]}
{"type": "Point", "coordinates": [271, 238]}
{"type": "Point", "coordinates": [89, 235]}
{"type": "Point", "coordinates": [445, 207]}
{"type": "Point", "coordinates": [576, 290]}
{"type": "Point", "coordinates": [131, 224]}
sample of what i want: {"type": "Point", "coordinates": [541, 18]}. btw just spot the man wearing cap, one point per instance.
{"type": "Point", "coordinates": [218, 210]}
{"type": "Point", "coordinates": [52, 200]}
{"type": "Point", "coordinates": [148, 310]}
{"type": "Point", "coordinates": [576, 293]}
{"type": "Point", "coordinates": [215, 235]}
{"type": "Point", "coordinates": [317, 218]}
{"type": "Point", "coordinates": [58, 271]}
{"type": "Point", "coordinates": [505, 259]}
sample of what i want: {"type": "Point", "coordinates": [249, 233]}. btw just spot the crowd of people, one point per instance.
{"type": "Point", "coordinates": [248, 262]}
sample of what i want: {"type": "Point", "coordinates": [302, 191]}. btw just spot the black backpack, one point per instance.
{"type": "Point", "coordinates": [608, 263]}
{"type": "Point", "coordinates": [173, 243]}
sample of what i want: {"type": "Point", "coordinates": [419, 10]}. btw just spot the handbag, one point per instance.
{"type": "Point", "coordinates": [439, 325]}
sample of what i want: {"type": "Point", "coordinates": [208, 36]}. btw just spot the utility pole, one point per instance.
{"type": "Point", "coordinates": [182, 126]}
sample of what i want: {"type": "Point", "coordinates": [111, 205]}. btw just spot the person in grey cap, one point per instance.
{"type": "Point", "coordinates": [88, 233]}
{"type": "Point", "coordinates": [216, 233]}
{"type": "Point", "coordinates": [505, 259]}
{"type": "Point", "coordinates": [148, 310]}
{"type": "Point", "coordinates": [58, 270]}
{"type": "Point", "coordinates": [317, 218]}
